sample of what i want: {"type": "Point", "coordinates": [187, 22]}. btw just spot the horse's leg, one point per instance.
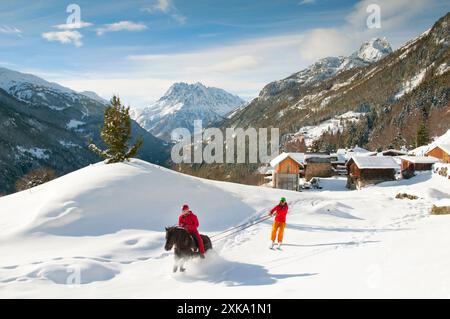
{"type": "Point", "coordinates": [175, 265]}
{"type": "Point", "coordinates": [182, 261]}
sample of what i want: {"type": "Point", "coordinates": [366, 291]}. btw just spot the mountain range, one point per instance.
{"type": "Point", "coordinates": [44, 124]}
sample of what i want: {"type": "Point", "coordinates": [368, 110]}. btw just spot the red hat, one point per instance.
{"type": "Point", "coordinates": [185, 206]}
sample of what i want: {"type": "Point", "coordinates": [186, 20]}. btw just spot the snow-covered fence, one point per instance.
{"type": "Point", "coordinates": [442, 170]}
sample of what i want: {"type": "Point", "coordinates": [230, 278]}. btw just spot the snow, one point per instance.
{"type": "Point", "coordinates": [370, 52]}
{"type": "Point", "coordinates": [441, 69]}
{"type": "Point", "coordinates": [438, 140]}
{"type": "Point", "coordinates": [68, 144]}
{"type": "Point", "coordinates": [56, 108]}
{"type": "Point", "coordinates": [420, 159]}
{"type": "Point", "coordinates": [368, 162]}
{"type": "Point", "coordinates": [444, 146]}
{"type": "Point", "coordinates": [350, 244]}
{"type": "Point", "coordinates": [307, 99]}
{"type": "Point", "coordinates": [94, 96]}
{"type": "Point", "coordinates": [186, 102]}
{"type": "Point", "coordinates": [10, 79]}
{"type": "Point", "coordinates": [411, 84]}
{"type": "Point", "coordinates": [74, 124]}
{"type": "Point", "coordinates": [337, 123]}
{"type": "Point", "coordinates": [326, 101]}
{"type": "Point", "coordinates": [101, 230]}
{"type": "Point", "coordinates": [374, 50]}
{"type": "Point", "coordinates": [36, 152]}
{"type": "Point", "coordinates": [391, 150]}
{"type": "Point", "coordinates": [337, 86]}
{"type": "Point", "coordinates": [298, 157]}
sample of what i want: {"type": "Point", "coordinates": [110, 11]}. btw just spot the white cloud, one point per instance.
{"type": "Point", "coordinates": [10, 30]}
{"type": "Point", "coordinates": [136, 92]}
{"type": "Point", "coordinates": [73, 26]}
{"type": "Point", "coordinates": [307, 2]}
{"type": "Point", "coordinates": [166, 7]}
{"type": "Point", "coordinates": [320, 43]}
{"type": "Point", "coordinates": [121, 26]}
{"type": "Point", "coordinates": [240, 63]}
{"type": "Point", "coordinates": [394, 13]}
{"type": "Point", "coordinates": [65, 37]}
{"type": "Point", "coordinates": [160, 5]}
{"type": "Point", "coordinates": [233, 67]}
{"type": "Point", "coordinates": [179, 18]}
{"type": "Point", "coordinates": [397, 18]}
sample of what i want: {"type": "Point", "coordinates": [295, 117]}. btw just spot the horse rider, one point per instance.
{"type": "Point", "coordinates": [189, 221]}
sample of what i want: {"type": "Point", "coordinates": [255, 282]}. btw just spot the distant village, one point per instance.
{"type": "Point", "coordinates": [361, 167]}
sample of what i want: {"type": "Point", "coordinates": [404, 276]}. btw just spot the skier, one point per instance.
{"type": "Point", "coordinates": [281, 211]}
{"type": "Point", "coordinates": [189, 221]}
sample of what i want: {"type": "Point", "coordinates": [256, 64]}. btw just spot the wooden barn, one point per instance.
{"type": "Point", "coordinates": [441, 152]}
{"type": "Point", "coordinates": [369, 170]}
{"type": "Point", "coordinates": [317, 165]}
{"type": "Point", "coordinates": [287, 168]}
{"type": "Point", "coordinates": [339, 158]}
{"type": "Point", "coordinates": [418, 163]}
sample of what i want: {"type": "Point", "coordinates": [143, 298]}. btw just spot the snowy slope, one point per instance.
{"type": "Point", "coordinates": [11, 81]}
{"type": "Point", "coordinates": [443, 139]}
{"type": "Point", "coordinates": [334, 125]}
{"type": "Point", "coordinates": [105, 224]}
{"type": "Point", "coordinates": [370, 52]}
{"type": "Point", "coordinates": [94, 96]}
{"type": "Point", "coordinates": [182, 104]}
{"type": "Point", "coordinates": [34, 90]}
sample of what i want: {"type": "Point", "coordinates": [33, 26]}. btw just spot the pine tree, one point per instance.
{"type": "Point", "coordinates": [116, 132]}
{"type": "Point", "coordinates": [423, 137]}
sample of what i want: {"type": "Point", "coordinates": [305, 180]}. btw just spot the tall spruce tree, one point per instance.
{"type": "Point", "coordinates": [423, 136]}
{"type": "Point", "coordinates": [116, 133]}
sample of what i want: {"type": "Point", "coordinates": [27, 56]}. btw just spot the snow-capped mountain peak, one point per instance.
{"type": "Point", "coordinates": [370, 52]}
{"type": "Point", "coordinates": [182, 104]}
{"type": "Point", "coordinates": [374, 50]}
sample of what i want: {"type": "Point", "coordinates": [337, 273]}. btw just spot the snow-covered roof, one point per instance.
{"type": "Point", "coordinates": [420, 159]}
{"type": "Point", "coordinates": [392, 151]}
{"type": "Point", "coordinates": [443, 141]}
{"type": "Point", "coordinates": [297, 157]}
{"type": "Point", "coordinates": [375, 162]}
{"type": "Point", "coordinates": [264, 169]}
{"type": "Point", "coordinates": [443, 146]}
{"type": "Point", "coordinates": [314, 155]}
{"type": "Point", "coordinates": [340, 158]}
{"type": "Point", "coordinates": [358, 149]}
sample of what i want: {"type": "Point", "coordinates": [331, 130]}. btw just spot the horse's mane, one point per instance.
{"type": "Point", "coordinates": [179, 230]}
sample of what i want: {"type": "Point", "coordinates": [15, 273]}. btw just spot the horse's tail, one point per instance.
{"type": "Point", "coordinates": [206, 242]}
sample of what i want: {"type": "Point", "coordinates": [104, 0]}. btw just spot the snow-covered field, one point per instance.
{"type": "Point", "coordinates": [104, 226]}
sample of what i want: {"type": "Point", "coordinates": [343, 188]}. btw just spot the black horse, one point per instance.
{"type": "Point", "coordinates": [185, 246]}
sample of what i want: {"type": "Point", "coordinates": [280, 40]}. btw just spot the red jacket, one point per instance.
{"type": "Point", "coordinates": [282, 211]}
{"type": "Point", "coordinates": [189, 221]}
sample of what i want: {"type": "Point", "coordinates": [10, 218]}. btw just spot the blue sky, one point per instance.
{"type": "Point", "coordinates": [138, 48]}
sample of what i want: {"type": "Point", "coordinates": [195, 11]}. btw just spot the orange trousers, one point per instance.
{"type": "Point", "coordinates": [278, 226]}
